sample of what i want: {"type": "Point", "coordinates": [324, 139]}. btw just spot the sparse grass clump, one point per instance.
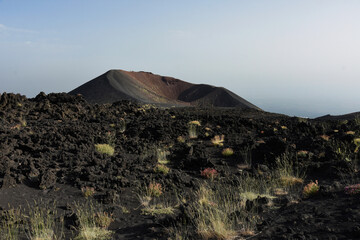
{"type": "Point", "coordinates": [162, 156]}
{"type": "Point", "coordinates": [213, 211]}
{"type": "Point", "coordinates": [41, 222]}
{"type": "Point", "coordinates": [209, 173]}
{"type": "Point", "coordinates": [357, 119]}
{"type": "Point", "coordinates": [210, 215]}
{"type": "Point", "coordinates": [192, 129]}
{"type": "Point", "coordinates": [325, 137]}
{"type": "Point", "coordinates": [302, 153]}
{"type": "Point", "coordinates": [180, 139]}
{"type": "Point", "coordinates": [288, 181]}
{"type": "Point", "coordinates": [122, 125]}
{"type": "Point", "coordinates": [93, 222]}
{"type": "Point", "coordinates": [161, 168]}
{"type": "Point", "coordinates": [227, 152]}
{"type": "Point", "coordinates": [11, 219]}
{"type": "Point", "coordinates": [214, 226]}
{"type": "Point", "coordinates": [105, 149]}
{"type": "Point", "coordinates": [154, 190]}
{"type": "Point", "coordinates": [38, 223]}
{"type": "Point", "coordinates": [289, 174]}
{"type": "Point", "coordinates": [250, 188]}
{"type": "Point", "coordinates": [88, 191]}
{"type": "Point", "coordinates": [218, 140]}
{"type": "Point", "coordinates": [103, 219]}
{"type": "Point", "coordinates": [357, 143]}
{"type": "Point", "coordinates": [157, 209]}
{"type": "Point", "coordinates": [195, 122]}
{"type": "Point", "coordinates": [205, 196]}
{"type": "Point", "coordinates": [219, 210]}
{"type": "Point", "coordinates": [311, 189]}
{"type": "Point", "coordinates": [152, 203]}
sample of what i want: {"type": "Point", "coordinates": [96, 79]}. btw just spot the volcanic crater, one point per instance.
{"type": "Point", "coordinates": [146, 87]}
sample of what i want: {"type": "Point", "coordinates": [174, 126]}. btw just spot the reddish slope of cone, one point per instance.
{"type": "Point", "coordinates": [146, 87]}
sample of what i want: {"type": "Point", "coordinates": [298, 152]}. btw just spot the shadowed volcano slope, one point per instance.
{"type": "Point", "coordinates": [145, 87]}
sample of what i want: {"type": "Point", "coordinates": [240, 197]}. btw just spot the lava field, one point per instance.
{"type": "Point", "coordinates": [74, 170]}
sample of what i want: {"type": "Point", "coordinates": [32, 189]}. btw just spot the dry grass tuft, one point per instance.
{"type": "Point", "coordinates": [162, 156]}
{"type": "Point", "coordinates": [227, 152]}
{"type": "Point", "coordinates": [41, 219]}
{"type": "Point", "coordinates": [161, 168]}
{"type": "Point", "coordinates": [154, 190]}
{"type": "Point", "coordinates": [192, 129]}
{"type": "Point", "coordinates": [218, 140]}
{"type": "Point", "coordinates": [289, 173]}
{"type": "Point", "coordinates": [93, 222]}
{"type": "Point", "coordinates": [11, 219]}
{"type": "Point", "coordinates": [88, 191]}
{"type": "Point", "coordinates": [105, 149]}
{"type": "Point", "coordinates": [158, 209]}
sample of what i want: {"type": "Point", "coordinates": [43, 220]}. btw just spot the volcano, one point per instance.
{"type": "Point", "coordinates": [149, 88]}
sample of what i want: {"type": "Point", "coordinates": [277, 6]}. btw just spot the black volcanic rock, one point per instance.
{"type": "Point", "coordinates": [48, 155]}
{"type": "Point", "coordinates": [145, 87]}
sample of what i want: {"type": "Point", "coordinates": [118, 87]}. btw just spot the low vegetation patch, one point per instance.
{"type": "Point", "coordinates": [180, 139]}
{"type": "Point", "coordinates": [311, 189]}
{"type": "Point", "coordinates": [88, 191]}
{"type": "Point", "coordinates": [10, 224]}
{"type": "Point", "coordinates": [219, 212]}
{"type": "Point", "coordinates": [357, 143]}
{"type": "Point", "coordinates": [218, 140]}
{"type": "Point", "coordinates": [158, 209]}
{"type": "Point", "coordinates": [40, 222]}
{"type": "Point", "coordinates": [161, 168]}
{"type": "Point", "coordinates": [93, 222]}
{"type": "Point", "coordinates": [154, 190]}
{"type": "Point", "coordinates": [105, 149]}
{"type": "Point", "coordinates": [227, 152]}
{"type": "Point", "coordinates": [288, 171]}
{"type": "Point", "coordinates": [162, 156]}
{"type": "Point", "coordinates": [209, 173]}
{"type": "Point", "coordinates": [352, 189]}
{"type": "Point", "coordinates": [192, 129]}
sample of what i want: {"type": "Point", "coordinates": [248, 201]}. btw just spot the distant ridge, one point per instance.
{"type": "Point", "coordinates": [146, 87]}
{"type": "Point", "coordinates": [349, 116]}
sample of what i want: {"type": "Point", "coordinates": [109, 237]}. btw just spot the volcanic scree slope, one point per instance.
{"type": "Point", "coordinates": [145, 87]}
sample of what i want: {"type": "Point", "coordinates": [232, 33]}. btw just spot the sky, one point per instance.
{"type": "Point", "coordinates": [294, 57]}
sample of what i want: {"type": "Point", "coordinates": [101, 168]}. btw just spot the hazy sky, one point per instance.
{"type": "Point", "coordinates": [294, 57]}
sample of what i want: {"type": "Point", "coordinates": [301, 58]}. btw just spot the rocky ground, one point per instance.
{"type": "Point", "coordinates": [168, 177]}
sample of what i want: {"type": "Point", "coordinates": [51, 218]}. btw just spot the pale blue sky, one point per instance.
{"type": "Point", "coordinates": [294, 57]}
